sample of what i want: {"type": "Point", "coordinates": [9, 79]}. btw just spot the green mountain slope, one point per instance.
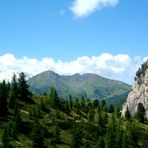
{"type": "Point", "coordinates": [87, 85]}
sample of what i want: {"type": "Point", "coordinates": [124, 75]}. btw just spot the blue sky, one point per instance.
{"type": "Point", "coordinates": [68, 29]}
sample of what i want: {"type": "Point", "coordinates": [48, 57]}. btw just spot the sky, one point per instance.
{"type": "Point", "coordinates": [106, 37]}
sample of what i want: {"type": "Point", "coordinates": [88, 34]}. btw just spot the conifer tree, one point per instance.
{"type": "Point", "coordinates": [89, 104]}
{"type": "Point", "coordinates": [117, 112]}
{"type": "Point", "coordinates": [111, 108]}
{"type": "Point", "coordinates": [91, 116]}
{"type": "Point", "coordinates": [144, 142]}
{"type": "Point", "coordinates": [54, 98]}
{"type": "Point", "coordinates": [103, 105]}
{"type": "Point", "coordinates": [100, 119]}
{"type": "Point", "coordinates": [5, 138]}
{"type": "Point", "coordinates": [95, 103]}
{"type": "Point", "coordinates": [124, 141]}
{"type": "Point", "coordinates": [23, 91]}
{"type": "Point", "coordinates": [3, 99]}
{"type": "Point", "coordinates": [77, 106]}
{"type": "Point", "coordinates": [70, 102]}
{"type": "Point", "coordinates": [104, 119]}
{"type": "Point", "coordinates": [127, 114]}
{"type": "Point", "coordinates": [77, 137]}
{"type": "Point", "coordinates": [101, 143]}
{"type": "Point", "coordinates": [13, 94]}
{"type": "Point", "coordinates": [132, 134]}
{"type": "Point", "coordinates": [37, 137]}
{"type": "Point", "coordinates": [111, 134]}
{"type": "Point", "coordinates": [57, 134]}
{"type": "Point", "coordinates": [82, 103]}
{"type": "Point", "coordinates": [119, 135]}
{"type": "Point", "coordinates": [17, 119]}
{"type": "Point", "coordinates": [141, 113]}
{"type": "Point", "coordinates": [102, 123]}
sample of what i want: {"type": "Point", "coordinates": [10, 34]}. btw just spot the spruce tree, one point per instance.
{"type": "Point", "coordinates": [23, 88]}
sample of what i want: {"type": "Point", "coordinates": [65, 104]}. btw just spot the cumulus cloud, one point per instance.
{"type": "Point", "coordinates": [83, 8]}
{"type": "Point", "coordinates": [119, 67]}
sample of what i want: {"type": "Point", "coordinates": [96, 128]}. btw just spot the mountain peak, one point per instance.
{"type": "Point", "coordinates": [88, 85]}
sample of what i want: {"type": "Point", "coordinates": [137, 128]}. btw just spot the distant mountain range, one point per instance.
{"type": "Point", "coordinates": [88, 85]}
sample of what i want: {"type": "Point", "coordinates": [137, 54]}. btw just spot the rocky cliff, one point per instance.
{"type": "Point", "coordinates": [139, 92]}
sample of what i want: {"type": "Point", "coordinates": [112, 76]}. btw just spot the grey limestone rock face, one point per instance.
{"type": "Point", "coordinates": [138, 94]}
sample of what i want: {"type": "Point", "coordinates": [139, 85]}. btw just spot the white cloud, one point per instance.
{"type": "Point", "coordinates": [145, 58]}
{"type": "Point", "coordinates": [118, 67]}
{"type": "Point", "coordinates": [83, 8]}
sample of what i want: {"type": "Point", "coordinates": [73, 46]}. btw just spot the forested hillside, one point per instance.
{"type": "Point", "coordinates": [48, 121]}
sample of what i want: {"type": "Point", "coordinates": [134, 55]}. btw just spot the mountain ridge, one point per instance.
{"type": "Point", "coordinates": [88, 85]}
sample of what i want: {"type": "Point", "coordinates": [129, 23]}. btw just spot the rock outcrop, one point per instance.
{"type": "Point", "coordinates": [139, 92]}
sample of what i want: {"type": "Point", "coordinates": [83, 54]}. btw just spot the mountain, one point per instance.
{"type": "Point", "coordinates": [87, 85]}
{"type": "Point", "coordinates": [139, 92]}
